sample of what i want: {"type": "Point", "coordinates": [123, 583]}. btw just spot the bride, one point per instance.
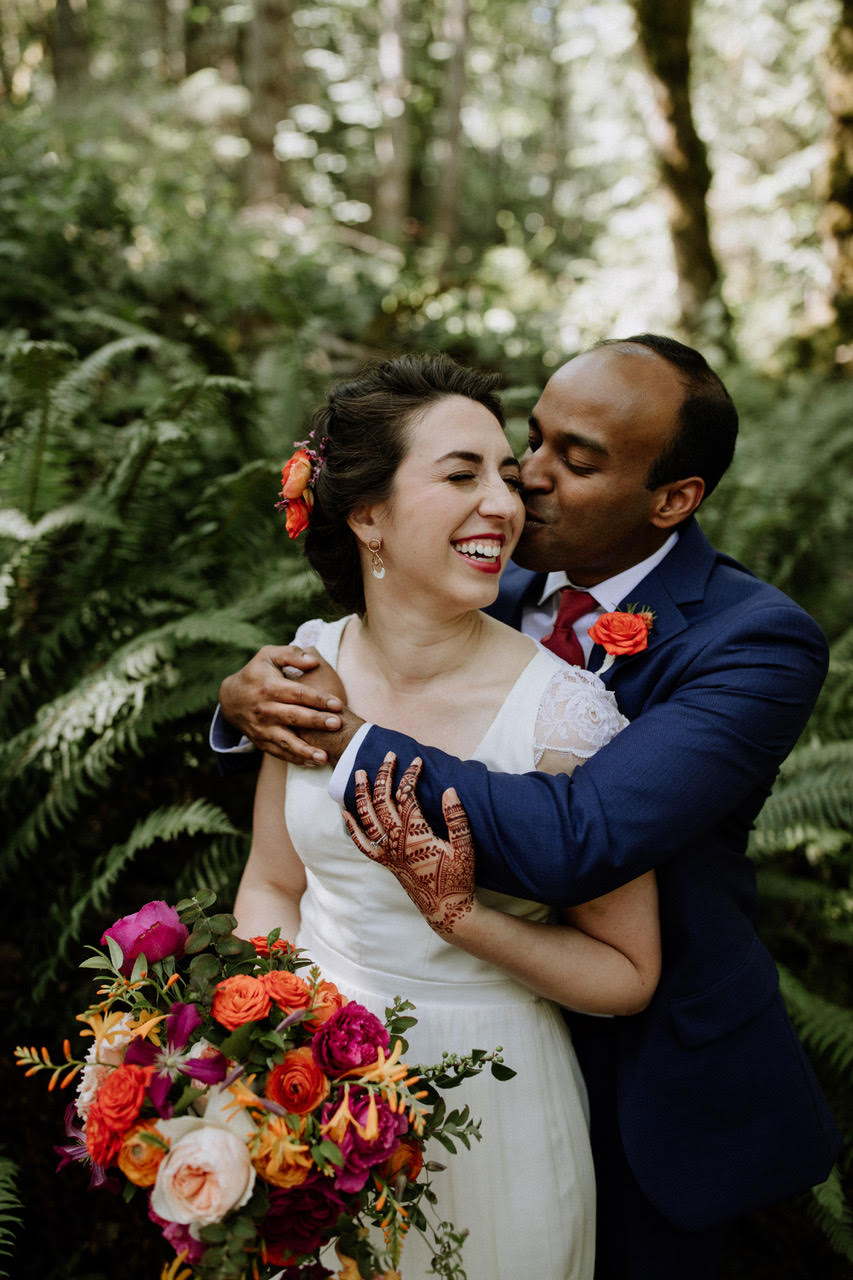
{"type": "Point", "coordinates": [416, 512]}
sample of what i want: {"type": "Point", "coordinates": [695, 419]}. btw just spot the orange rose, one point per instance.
{"type": "Point", "coordinates": [298, 514]}
{"type": "Point", "coordinates": [407, 1159]}
{"type": "Point", "coordinates": [262, 948]}
{"type": "Point", "coordinates": [287, 991]}
{"type": "Point", "coordinates": [295, 475]}
{"type": "Point", "coordinates": [621, 633]}
{"type": "Point", "coordinates": [297, 1083]}
{"type": "Point", "coordinates": [327, 1000]}
{"type": "Point", "coordinates": [102, 1141]}
{"type": "Point", "coordinates": [278, 1155]}
{"type": "Point", "coordinates": [122, 1094]}
{"type": "Point", "coordinates": [139, 1160]}
{"type": "Point", "coordinates": [240, 999]}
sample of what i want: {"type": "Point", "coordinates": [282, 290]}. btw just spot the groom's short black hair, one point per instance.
{"type": "Point", "coordinates": [703, 442]}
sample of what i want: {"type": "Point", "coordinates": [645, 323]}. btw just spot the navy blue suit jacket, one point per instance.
{"type": "Point", "coordinates": [719, 1110]}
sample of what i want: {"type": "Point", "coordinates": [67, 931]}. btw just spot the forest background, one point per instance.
{"type": "Point", "coordinates": [208, 212]}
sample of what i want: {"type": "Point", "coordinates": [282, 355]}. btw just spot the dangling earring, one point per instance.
{"type": "Point", "coordinates": [377, 566]}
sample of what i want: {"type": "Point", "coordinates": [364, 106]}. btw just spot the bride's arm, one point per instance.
{"type": "Point", "coordinates": [273, 879]}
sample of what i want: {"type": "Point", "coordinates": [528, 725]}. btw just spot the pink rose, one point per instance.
{"type": "Point", "coordinates": [350, 1038]}
{"type": "Point", "coordinates": [206, 1174]}
{"type": "Point", "coordinates": [154, 931]}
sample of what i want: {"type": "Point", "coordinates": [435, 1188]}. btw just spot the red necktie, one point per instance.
{"type": "Point", "coordinates": [562, 640]}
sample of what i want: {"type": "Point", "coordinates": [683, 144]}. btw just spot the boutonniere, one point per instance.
{"type": "Point", "coordinates": [621, 633]}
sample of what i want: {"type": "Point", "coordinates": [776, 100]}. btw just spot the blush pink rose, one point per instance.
{"type": "Point", "coordinates": [206, 1174]}
{"type": "Point", "coordinates": [154, 931]}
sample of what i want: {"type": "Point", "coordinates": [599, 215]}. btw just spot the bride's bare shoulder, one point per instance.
{"type": "Point", "coordinates": [509, 643]}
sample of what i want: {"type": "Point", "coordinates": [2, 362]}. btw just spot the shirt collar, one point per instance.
{"type": "Point", "coordinates": [609, 592]}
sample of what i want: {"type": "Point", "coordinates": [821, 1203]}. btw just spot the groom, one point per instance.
{"type": "Point", "coordinates": [703, 1107]}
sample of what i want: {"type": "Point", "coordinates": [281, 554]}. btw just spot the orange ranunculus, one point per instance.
{"type": "Point", "coordinates": [287, 990]}
{"type": "Point", "coordinates": [139, 1160]}
{"type": "Point", "coordinates": [102, 1141]}
{"type": "Point", "coordinates": [407, 1159]}
{"type": "Point", "coordinates": [263, 949]}
{"type": "Point", "coordinates": [298, 514]}
{"type": "Point", "coordinates": [122, 1094]}
{"type": "Point", "coordinates": [297, 1083]}
{"type": "Point", "coordinates": [240, 999]}
{"type": "Point", "coordinates": [295, 475]}
{"type": "Point", "coordinates": [621, 633]}
{"type": "Point", "coordinates": [279, 1156]}
{"type": "Point", "coordinates": [327, 1000]}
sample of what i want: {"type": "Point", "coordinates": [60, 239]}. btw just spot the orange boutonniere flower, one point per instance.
{"type": "Point", "coordinates": [623, 632]}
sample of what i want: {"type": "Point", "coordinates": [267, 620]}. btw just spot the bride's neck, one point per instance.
{"type": "Point", "coordinates": [411, 649]}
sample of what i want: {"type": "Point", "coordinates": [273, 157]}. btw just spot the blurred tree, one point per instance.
{"type": "Point", "coordinates": [837, 217]}
{"type": "Point", "coordinates": [268, 73]}
{"type": "Point", "coordinates": [393, 141]}
{"type": "Point", "coordinates": [663, 28]}
{"type": "Point", "coordinates": [68, 41]}
{"type": "Point", "coordinates": [168, 23]}
{"type": "Point", "coordinates": [451, 146]}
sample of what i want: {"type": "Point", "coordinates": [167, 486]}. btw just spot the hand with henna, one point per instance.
{"type": "Point", "coordinates": [438, 875]}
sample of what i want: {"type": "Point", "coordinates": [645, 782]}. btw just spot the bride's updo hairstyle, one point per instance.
{"type": "Point", "coordinates": [366, 421]}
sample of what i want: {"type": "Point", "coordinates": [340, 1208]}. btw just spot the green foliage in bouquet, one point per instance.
{"type": "Point", "coordinates": [264, 1115]}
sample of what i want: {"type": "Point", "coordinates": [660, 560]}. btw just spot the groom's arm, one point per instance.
{"type": "Point", "coordinates": [681, 768]}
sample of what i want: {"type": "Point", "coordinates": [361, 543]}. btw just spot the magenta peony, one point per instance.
{"type": "Point", "coordinates": [298, 1217]}
{"type": "Point", "coordinates": [361, 1154]}
{"type": "Point", "coordinates": [154, 931]}
{"type": "Point", "coordinates": [350, 1038]}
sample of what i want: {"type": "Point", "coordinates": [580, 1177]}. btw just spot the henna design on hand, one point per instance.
{"type": "Point", "coordinates": [438, 875]}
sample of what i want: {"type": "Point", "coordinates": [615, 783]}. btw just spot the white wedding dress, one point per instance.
{"type": "Point", "coordinates": [525, 1192]}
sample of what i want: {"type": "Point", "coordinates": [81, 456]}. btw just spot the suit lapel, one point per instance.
{"type": "Point", "coordinates": [680, 578]}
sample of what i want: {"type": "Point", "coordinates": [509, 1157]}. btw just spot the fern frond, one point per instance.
{"type": "Point", "coordinates": [825, 1028]}
{"type": "Point", "coordinates": [829, 1209]}
{"type": "Point", "coordinates": [164, 825]}
{"type": "Point", "coordinates": [11, 1207]}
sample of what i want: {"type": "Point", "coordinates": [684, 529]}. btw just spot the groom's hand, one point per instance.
{"type": "Point", "coordinates": [283, 694]}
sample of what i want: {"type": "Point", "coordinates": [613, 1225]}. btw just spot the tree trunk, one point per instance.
{"type": "Point", "coordinates": [451, 150]}
{"type": "Point", "coordinates": [837, 217]}
{"type": "Point", "coordinates": [69, 48]}
{"type": "Point", "coordinates": [558, 140]}
{"type": "Point", "coordinates": [268, 75]}
{"type": "Point", "coordinates": [393, 144]}
{"type": "Point", "coordinates": [168, 18]}
{"type": "Point", "coordinates": [663, 28]}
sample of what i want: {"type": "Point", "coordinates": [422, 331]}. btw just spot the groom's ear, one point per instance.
{"type": "Point", "coordinates": [676, 501]}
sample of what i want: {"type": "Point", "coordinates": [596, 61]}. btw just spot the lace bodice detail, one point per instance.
{"type": "Point", "coordinates": [577, 714]}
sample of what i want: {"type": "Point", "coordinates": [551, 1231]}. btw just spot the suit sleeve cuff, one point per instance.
{"type": "Point", "coordinates": [341, 774]}
{"type": "Point", "coordinates": [225, 740]}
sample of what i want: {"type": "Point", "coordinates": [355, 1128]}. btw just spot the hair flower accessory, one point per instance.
{"type": "Point", "coordinates": [622, 633]}
{"type": "Point", "coordinates": [298, 477]}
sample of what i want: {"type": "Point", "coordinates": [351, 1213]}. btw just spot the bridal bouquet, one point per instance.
{"type": "Point", "coordinates": [265, 1117]}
